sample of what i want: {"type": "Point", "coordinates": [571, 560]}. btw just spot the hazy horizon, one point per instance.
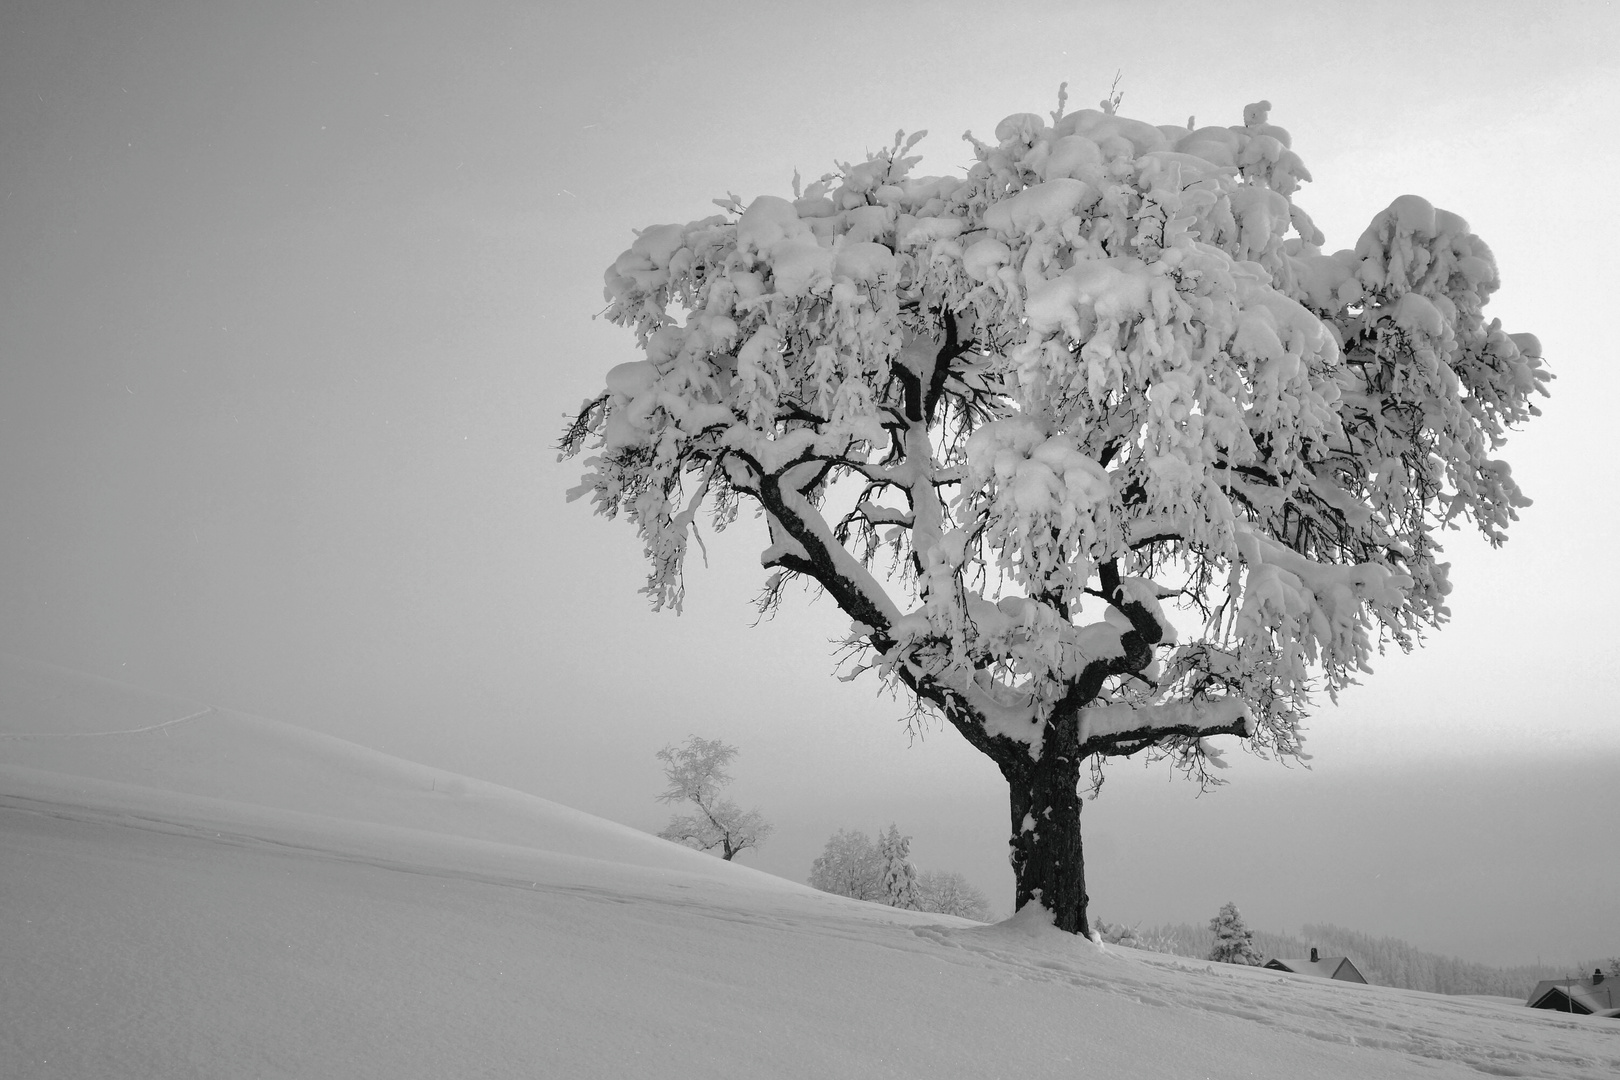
{"type": "Point", "coordinates": [1159, 851]}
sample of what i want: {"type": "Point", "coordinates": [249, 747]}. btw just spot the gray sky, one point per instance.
{"type": "Point", "coordinates": [295, 296]}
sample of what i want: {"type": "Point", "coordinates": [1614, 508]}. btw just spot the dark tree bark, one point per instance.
{"type": "Point", "coordinates": [1047, 853]}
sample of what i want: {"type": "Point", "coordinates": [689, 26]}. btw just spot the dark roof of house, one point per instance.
{"type": "Point", "coordinates": [1326, 967]}
{"type": "Point", "coordinates": [1577, 995]}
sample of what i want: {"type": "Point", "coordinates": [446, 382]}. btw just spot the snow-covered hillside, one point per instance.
{"type": "Point", "coordinates": [189, 892]}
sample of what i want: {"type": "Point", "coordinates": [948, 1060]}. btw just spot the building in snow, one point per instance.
{"type": "Point", "coordinates": [1596, 996]}
{"type": "Point", "coordinates": [1327, 967]}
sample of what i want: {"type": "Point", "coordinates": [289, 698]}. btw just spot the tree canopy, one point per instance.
{"type": "Point", "coordinates": [1096, 447]}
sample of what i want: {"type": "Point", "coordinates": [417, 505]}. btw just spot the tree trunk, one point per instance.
{"type": "Point", "coordinates": [1047, 860]}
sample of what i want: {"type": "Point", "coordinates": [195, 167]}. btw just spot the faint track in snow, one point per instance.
{"type": "Point", "coordinates": [99, 734]}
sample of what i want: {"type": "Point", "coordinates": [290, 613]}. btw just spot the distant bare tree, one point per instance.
{"type": "Point", "coordinates": [696, 773]}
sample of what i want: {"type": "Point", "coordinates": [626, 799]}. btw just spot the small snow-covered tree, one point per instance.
{"type": "Point", "coordinates": [946, 892]}
{"type": "Point", "coordinates": [899, 876]}
{"type": "Point", "coordinates": [853, 865]}
{"type": "Point", "coordinates": [1119, 934]}
{"type": "Point", "coordinates": [1097, 448]}
{"type": "Point", "coordinates": [850, 865]}
{"type": "Point", "coordinates": [1157, 940]}
{"type": "Point", "coordinates": [1234, 942]}
{"type": "Point", "coordinates": [696, 773]}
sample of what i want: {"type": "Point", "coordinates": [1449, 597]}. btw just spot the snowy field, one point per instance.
{"type": "Point", "coordinates": [187, 892]}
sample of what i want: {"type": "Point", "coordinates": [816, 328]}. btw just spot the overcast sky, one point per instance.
{"type": "Point", "coordinates": [294, 299]}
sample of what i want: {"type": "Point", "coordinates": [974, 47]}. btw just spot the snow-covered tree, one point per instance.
{"type": "Point", "coordinates": [1156, 940]}
{"type": "Point", "coordinates": [853, 865]}
{"type": "Point", "coordinates": [696, 772]}
{"type": "Point", "coordinates": [1119, 934]}
{"type": "Point", "coordinates": [1096, 447]}
{"type": "Point", "coordinates": [850, 865]}
{"type": "Point", "coordinates": [899, 876]}
{"type": "Point", "coordinates": [945, 892]}
{"type": "Point", "coordinates": [1234, 942]}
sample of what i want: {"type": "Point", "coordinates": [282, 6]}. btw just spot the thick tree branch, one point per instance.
{"type": "Point", "coordinates": [949, 351]}
{"type": "Point", "coordinates": [823, 559]}
{"type": "Point", "coordinates": [1119, 730]}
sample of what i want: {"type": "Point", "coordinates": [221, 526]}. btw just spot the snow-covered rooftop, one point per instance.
{"type": "Point", "coordinates": [1327, 967]}
{"type": "Point", "coordinates": [1600, 998]}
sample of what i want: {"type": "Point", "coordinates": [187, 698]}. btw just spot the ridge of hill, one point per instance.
{"type": "Point", "coordinates": [62, 730]}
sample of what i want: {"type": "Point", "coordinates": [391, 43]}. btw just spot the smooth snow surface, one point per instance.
{"type": "Point", "coordinates": [224, 896]}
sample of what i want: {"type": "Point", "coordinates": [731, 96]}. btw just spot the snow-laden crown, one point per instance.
{"type": "Point", "coordinates": [1108, 367]}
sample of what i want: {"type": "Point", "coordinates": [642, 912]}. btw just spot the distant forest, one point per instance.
{"type": "Point", "coordinates": [1385, 961]}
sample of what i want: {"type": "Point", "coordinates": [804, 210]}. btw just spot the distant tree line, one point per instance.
{"type": "Point", "coordinates": [881, 872]}
{"type": "Point", "coordinates": [851, 865]}
{"type": "Point", "coordinates": [1384, 961]}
